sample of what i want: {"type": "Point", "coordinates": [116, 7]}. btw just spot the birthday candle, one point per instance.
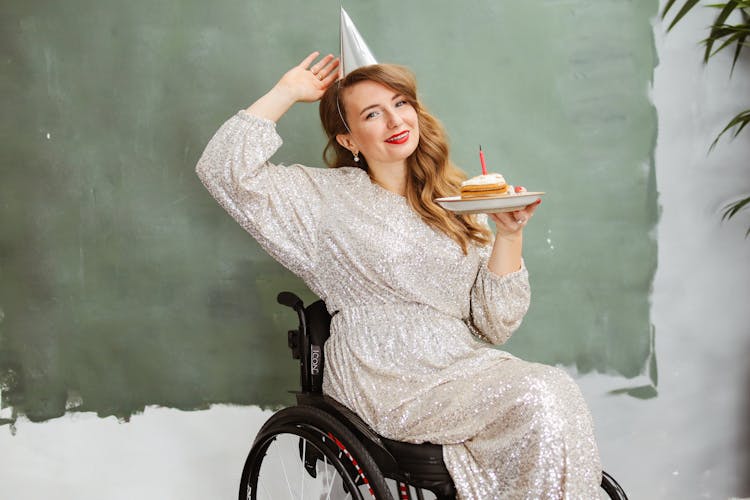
{"type": "Point", "coordinates": [481, 159]}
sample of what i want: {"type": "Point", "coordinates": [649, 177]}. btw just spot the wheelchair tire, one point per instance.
{"type": "Point", "coordinates": [612, 488]}
{"type": "Point", "coordinates": [303, 452]}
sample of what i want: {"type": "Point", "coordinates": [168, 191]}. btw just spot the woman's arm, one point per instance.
{"type": "Point", "coordinates": [279, 206]}
{"type": "Point", "coordinates": [501, 294]}
{"type": "Point", "coordinates": [506, 252]}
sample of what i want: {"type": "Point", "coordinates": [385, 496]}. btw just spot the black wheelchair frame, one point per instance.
{"type": "Point", "coordinates": [330, 432]}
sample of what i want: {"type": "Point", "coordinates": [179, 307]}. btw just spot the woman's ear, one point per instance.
{"type": "Point", "coordinates": [345, 140]}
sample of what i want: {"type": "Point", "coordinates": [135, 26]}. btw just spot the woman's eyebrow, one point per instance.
{"type": "Point", "coordinates": [395, 96]}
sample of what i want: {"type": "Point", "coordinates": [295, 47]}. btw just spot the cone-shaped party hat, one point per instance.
{"type": "Point", "coordinates": [354, 51]}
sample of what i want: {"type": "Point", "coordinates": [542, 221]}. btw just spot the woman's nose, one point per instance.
{"type": "Point", "coordinates": [394, 119]}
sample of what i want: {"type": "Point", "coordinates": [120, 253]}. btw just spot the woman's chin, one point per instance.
{"type": "Point", "coordinates": [394, 153]}
{"type": "Point", "coordinates": [407, 149]}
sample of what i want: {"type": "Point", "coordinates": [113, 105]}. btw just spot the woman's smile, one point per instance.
{"type": "Point", "coordinates": [399, 138]}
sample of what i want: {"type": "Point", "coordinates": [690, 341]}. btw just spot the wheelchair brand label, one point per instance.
{"type": "Point", "coordinates": [314, 359]}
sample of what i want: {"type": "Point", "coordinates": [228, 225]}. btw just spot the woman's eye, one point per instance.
{"type": "Point", "coordinates": [371, 115]}
{"type": "Point", "coordinates": [401, 103]}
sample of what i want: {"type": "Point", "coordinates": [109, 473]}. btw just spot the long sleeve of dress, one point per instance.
{"type": "Point", "coordinates": [279, 206]}
{"type": "Point", "coordinates": [498, 303]}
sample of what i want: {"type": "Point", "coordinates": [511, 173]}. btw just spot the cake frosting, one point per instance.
{"type": "Point", "coordinates": [484, 179]}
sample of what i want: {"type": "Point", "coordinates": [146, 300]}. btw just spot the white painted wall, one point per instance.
{"type": "Point", "coordinates": [161, 454]}
{"type": "Point", "coordinates": [692, 441]}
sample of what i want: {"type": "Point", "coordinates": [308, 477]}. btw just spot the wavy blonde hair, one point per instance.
{"type": "Point", "coordinates": [431, 173]}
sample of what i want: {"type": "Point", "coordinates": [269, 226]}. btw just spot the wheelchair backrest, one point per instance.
{"type": "Point", "coordinates": [308, 340]}
{"type": "Point", "coordinates": [318, 331]}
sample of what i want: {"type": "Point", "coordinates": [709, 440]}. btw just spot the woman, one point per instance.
{"type": "Point", "coordinates": [419, 292]}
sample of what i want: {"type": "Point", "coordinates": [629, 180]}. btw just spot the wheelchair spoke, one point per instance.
{"type": "Point", "coordinates": [286, 477]}
{"type": "Point", "coordinates": [329, 481]}
{"type": "Point", "coordinates": [319, 477]}
{"type": "Point", "coordinates": [330, 463]}
{"type": "Point", "coordinates": [302, 469]}
{"type": "Point", "coordinates": [268, 495]}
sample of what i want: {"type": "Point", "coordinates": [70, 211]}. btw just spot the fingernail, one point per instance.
{"type": "Point", "coordinates": [539, 201]}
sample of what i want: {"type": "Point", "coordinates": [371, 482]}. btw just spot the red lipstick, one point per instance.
{"type": "Point", "coordinates": [399, 138]}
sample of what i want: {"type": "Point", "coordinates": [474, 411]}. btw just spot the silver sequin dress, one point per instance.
{"type": "Point", "coordinates": [405, 351]}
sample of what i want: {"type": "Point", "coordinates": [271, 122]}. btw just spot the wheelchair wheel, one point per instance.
{"type": "Point", "coordinates": [305, 453]}
{"type": "Point", "coordinates": [612, 488]}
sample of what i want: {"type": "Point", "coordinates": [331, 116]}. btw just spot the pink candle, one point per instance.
{"type": "Point", "coordinates": [481, 158]}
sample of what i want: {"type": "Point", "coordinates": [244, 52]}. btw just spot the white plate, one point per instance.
{"type": "Point", "coordinates": [507, 203]}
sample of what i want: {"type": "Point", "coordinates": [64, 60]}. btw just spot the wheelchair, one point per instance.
{"type": "Point", "coordinates": [319, 449]}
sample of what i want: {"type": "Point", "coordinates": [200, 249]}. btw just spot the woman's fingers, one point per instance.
{"type": "Point", "coordinates": [505, 221]}
{"type": "Point", "coordinates": [530, 209]}
{"type": "Point", "coordinates": [520, 217]}
{"type": "Point", "coordinates": [330, 73]}
{"type": "Point", "coordinates": [315, 69]}
{"type": "Point", "coordinates": [326, 70]}
{"type": "Point", "coordinates": [512, 222]}
{"type": "Point", "coordinates": [523, 216]}
{"type": "Point", "coordinates": [307, 81]}
{"type": "Point", "coordinates": [307, 61]}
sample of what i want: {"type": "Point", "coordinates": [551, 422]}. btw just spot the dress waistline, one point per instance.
{"type": "Point", "coordinates": [395, 306]}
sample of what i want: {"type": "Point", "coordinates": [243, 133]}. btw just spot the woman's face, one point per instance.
{"type": "Point", "coordinates": [384, 126]}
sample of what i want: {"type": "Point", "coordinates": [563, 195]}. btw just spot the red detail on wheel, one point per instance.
{"type": "Point", "coordinates": [353, 462]}
{"type": "Point", "coordinates": [403, 491]}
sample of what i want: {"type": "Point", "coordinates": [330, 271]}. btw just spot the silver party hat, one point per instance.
{"type": "Point", "coordinates": [354, 51]}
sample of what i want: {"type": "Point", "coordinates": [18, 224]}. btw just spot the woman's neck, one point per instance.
{"type": "Point", "coordinates": [390, 176]}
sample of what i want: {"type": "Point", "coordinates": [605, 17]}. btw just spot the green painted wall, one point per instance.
{"type": "Point", "coordinates": [123, 284]}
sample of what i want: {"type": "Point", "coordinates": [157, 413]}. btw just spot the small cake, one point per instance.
{"type": "Point", "coordinates": [484, 186]}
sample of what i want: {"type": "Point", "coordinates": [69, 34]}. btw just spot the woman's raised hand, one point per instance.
{"type": "Point", "coordinates": [307, 82]}
{"type": "Point", "coordinates": [303, 82]}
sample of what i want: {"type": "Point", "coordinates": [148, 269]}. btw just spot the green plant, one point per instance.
{"type": "Point", "coordinates": [721, 36]}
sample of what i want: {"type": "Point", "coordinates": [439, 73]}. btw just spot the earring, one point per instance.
{"type": "Point", "coordinates": [356, 157]}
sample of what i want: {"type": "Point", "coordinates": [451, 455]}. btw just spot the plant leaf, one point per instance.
{"type": "Point", "coordinates": [689, 4]}
{"type": "Point", "coordinates": [740, 44]}
{"type": "Point", "coordinates": [736, 36]}
{"type": "Point", "coordinates": [739, 129]}
{"type": "Point", "coordinates": [666, 8]}
{"type": "Point", "coordinates": [732, 209]}
{"type": "Point", "coordinates": [740, 121]}
{"type": "Point", "coordinates": [719, 22]}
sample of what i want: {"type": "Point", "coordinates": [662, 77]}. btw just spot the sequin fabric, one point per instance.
{"type": "Point", "coordinates": [410, 345]}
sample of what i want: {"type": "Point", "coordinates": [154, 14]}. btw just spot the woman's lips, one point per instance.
{"type": "Point", "coordinates": [399, 138]}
